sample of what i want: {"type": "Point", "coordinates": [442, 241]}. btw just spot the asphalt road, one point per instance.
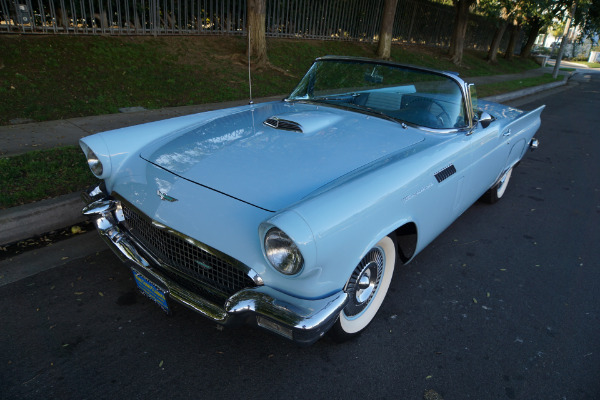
{"type": "Point", "coordinates": [505, 304]}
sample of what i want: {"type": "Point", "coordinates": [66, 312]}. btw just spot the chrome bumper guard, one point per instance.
{"type": "Point", "coordinates": [300, 320]}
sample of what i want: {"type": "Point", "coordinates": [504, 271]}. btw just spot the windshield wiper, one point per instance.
{"type": "Point", "coordinates": [374, 111]}
{"type": "Point", "coordinates": [337, 97]}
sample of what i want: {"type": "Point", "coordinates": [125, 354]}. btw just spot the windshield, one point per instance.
{"type": "Point", "coordinates": [405, 94]}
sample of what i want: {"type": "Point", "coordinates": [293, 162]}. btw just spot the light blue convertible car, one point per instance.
{"type": "Point", "coordinates": [293, 215]}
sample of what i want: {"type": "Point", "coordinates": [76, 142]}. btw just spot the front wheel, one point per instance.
{"type": "Point", "coordinates": [496, 192]}
{"type": "Point", "coordinates": [366, 288]}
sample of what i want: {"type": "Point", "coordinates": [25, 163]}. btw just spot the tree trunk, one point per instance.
{"type": "Point", "coordinates": [459, 30]}
{"type": "Point", "coordinates": [565, 39]}
{"type": "Point", "coordinates": [103, 18]}
{"type": "Point", "coordinates": [515, 29]}
{"type": "Point", "coordinates": [384, 47]}
{"type": "Point", "coordinates": [256, 31]}
{"type": "Point", "coordinates": [492, 55]}
{"type": "Point", "coordinates": [59, 17]}
{"type": "Point", "coordinates": [535, 25]}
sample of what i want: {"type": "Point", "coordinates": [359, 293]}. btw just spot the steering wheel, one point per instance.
{"type": "Point", "coordinates": [433, 107]}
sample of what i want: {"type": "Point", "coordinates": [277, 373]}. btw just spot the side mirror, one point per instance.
{"type": "Point", "coordinates": [485, 119]}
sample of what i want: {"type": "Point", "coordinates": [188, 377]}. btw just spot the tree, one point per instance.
{"type": "Point", "coordinates": [257, 47]}
{"type": "Point", "coordinates": [385, 32]}
{"type": "Point", "coordinates": [588, 17]}
{"type": "Point", "coordinates": [535, 24]}
{"type": "Point", "coordinates": [538, 15]}
{"type": "Point", "coordinates": [565, 39]}
{"type": "Point", "coordinates": [459, 29]}
{"type": "Point", "coordinates": [515, 30]}
{"type": "Point", "coordinates": [492, 55]}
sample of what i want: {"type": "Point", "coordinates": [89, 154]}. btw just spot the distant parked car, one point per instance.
{"type": "Point", "coordinates": [292, 215]}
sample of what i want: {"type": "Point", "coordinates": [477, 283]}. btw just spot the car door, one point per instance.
{"type": "Point", "coordinates": [489, 152]}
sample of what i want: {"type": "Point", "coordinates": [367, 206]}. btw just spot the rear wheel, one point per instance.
{"type": "Point", "coordinates": [496, 192]}
{"type": "Point", "coordinates": [366, 288]}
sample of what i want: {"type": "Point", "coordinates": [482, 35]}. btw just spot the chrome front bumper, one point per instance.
{"type": "Point", "coordinates": [300, 320]}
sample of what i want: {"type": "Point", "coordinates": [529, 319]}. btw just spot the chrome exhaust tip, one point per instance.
{"type": "Point", "coordinates": [534, 144]}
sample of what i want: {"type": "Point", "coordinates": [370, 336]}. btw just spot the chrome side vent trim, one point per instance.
{"type": "Point", "coordinates": [283, 124]}
{"type": "Point", "coordinates": [445, 173]}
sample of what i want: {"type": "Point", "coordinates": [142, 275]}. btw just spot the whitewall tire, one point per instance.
{"type": "Point", "coordinates": [496, 192]}
{"type": "Point", "coordinates": [367, 288]}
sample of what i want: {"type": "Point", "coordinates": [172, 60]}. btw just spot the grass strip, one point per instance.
{"type": "Point", "coordinates": [50, 77]}
{"type": "Point", "coordinates": [493, 89]}
{"type": "Point", "coordinates": [589, 64]}
{"type": "Point", "coordinates": [43, 174]}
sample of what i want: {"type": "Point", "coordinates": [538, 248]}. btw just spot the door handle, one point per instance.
{"type": "Point", "coordinates": [507, 133]}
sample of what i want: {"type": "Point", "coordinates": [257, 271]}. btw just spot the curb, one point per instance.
{"type": "Point", "coordinates": [29, 220]}
{"type": "Point", "coordinates": [500, 98]}
{"type": "Point", "coordinates": [32, 262]}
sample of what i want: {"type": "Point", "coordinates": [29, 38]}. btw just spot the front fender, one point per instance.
{"type": "Point", "coordinates": [297, 229]}
{"type": "Point", "coordinates": [114, 148]}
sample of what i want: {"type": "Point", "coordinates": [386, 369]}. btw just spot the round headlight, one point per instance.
{"type": "Point", "coordinates": [94, 163]}
{"type": "Point", "coordinates": [282, 252]}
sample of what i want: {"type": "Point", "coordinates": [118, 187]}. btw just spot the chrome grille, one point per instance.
{"type": "Point", "coordinates": [189, 262]}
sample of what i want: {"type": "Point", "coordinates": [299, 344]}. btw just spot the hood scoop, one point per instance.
{"type": "Point", "coordinates": [309, 122]}
{"type": "Point", "coordinates": [283, 124]}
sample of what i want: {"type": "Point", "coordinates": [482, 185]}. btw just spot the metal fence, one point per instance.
{"type": "Point", "coordinates": [417, 21]}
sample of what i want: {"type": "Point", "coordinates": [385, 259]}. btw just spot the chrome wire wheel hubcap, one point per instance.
{"type": "Point", "coordinates": [364, 282]}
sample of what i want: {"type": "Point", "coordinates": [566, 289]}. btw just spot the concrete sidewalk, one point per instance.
{"type": "Point", "coordinates": [19, 223]}
{"type": "Point", "coordinates": [18, 139]}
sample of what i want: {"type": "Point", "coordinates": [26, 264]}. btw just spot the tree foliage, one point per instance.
{"type": "Point", "coordinates": [535, 16]}
{"type": "Point", "coordinates": [588, 17]}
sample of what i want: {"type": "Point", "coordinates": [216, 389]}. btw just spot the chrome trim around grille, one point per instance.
{"type": "Point", "coordinates": [302, 321]}
{"type": "Point", "coordinates": [191, 263]}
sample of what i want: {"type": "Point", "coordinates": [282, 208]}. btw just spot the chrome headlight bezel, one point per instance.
{"type": "Point", "coordinates": [282, 252]}
{"type": "Point", "coordinates": [98, 159]}
{"type": "Point", "coordinates": [94, 163]}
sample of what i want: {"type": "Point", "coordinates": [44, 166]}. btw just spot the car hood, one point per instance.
{"type": "Point", "coordinates": [306, 147]}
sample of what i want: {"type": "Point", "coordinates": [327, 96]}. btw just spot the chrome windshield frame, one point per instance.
{"type": "Point", "coordinates": [463, 86]}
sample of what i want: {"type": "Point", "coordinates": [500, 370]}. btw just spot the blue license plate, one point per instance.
{"type": "Point", "coordinates": [151, 290]}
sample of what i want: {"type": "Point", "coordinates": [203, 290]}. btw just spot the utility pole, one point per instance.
{"type": "Point", "coordinates": [565, 39]}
